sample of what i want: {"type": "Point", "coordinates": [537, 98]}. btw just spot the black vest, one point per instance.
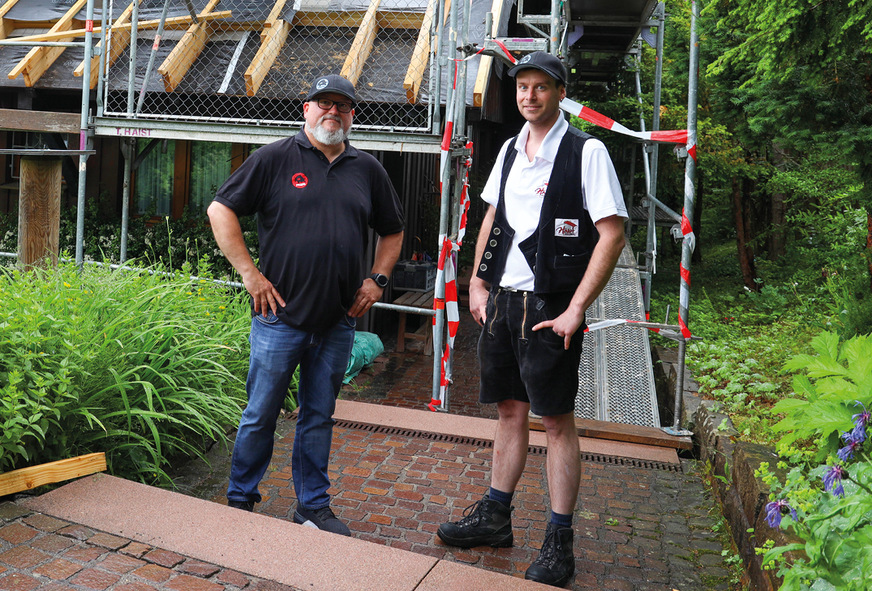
{"type": "Point", "coordinates": [558, 253]}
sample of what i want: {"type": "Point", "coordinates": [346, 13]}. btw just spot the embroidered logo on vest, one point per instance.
{"type": "Point", "coordinates": [566, 227]}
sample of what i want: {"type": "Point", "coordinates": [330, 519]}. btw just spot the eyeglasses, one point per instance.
{"type": "Point", "coordinates": [327, 104]}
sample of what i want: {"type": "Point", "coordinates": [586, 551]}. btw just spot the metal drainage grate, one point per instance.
{"type": "Point", "coordinates": [536, 450]}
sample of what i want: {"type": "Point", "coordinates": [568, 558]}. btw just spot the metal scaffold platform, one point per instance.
{"type": "Point", "coordinates": [616, 375]}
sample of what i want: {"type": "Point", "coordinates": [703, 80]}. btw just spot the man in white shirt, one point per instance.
{"type": "Point", "coordinates": [550, 239]}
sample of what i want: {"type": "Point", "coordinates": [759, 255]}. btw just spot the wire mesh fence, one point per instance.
{"type": "Point", "coordinates": [250, 61]}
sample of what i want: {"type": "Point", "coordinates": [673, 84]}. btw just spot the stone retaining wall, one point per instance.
{"type": "Point", "coordinates": [743, 497]}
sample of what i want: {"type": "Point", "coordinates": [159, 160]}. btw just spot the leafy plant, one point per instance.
{"type": "Point", "coordinates": [826, 499]}
{"type": "Point", "coordinates": [823, 408]}
{"type": "Point", "coordinates": [143, 365]}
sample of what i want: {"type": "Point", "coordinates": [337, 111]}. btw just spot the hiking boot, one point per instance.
{"type": "Point", "coordinates": [556, 562]}
{"type": "Point", "coordinates": [244, 505]}
{"type": "Point", "coordinates": [322, 519]}
{"type": "Point", "coordinates": [485, 523]}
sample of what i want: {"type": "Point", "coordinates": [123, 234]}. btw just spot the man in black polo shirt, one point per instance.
{"type": "Point", "coordinates": [315, 197]}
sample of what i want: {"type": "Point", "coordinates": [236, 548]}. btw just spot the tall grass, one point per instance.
{"type": "Point", "coordinates": [143, 366]}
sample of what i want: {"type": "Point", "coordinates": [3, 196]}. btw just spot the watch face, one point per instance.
{"type": "Point", "coordinates": [380, 280]}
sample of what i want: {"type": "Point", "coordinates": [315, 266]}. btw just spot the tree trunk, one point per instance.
{"type": "Point", "coordinates": [776, 233]}
{"type": "Point", "coordinates": [746, 254]}
{"type": "Point", "coordinates": [775, 241]}
{"type": "Point", "coordinates": [869, 245]}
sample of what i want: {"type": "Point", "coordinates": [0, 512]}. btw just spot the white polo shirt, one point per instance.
{"type": "Point", "coordinates": [525, 192]}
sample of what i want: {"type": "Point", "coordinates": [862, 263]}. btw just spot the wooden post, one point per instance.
{"type": "Point", "coordinates": [39, 210]}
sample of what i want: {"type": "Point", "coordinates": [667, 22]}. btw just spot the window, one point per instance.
{"type": "Point", "coordinates": [154, 177]}
{"type": "Point", "coordinates": [210, 167]}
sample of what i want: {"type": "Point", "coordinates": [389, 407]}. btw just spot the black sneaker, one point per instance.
{"type": "Point", "coordinates": [244, 505]}
{"type": "Point", "coordinates": [322, 519]}
{"type": "Point", "coordinates": [485, 523]}
{"type": "Point", "coordinates": [556, 562]}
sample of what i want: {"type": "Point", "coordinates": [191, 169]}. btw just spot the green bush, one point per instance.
{"type": "Point", "coordinates": [826, 499]}
{"type": "Point", "coordinates": [151, 240]}
{"type": "Point", "coordinates": [142, 365]}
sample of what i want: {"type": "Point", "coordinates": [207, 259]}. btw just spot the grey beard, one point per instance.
{"type": "Point", "coordinates": [328, 138]}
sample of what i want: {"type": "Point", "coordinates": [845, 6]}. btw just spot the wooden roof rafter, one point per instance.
{"type": "Point", "coordinates": [362, 44]}
{"type": "Point", "coordinates": [421, 54]}
{"type": "Point", "coordinates": [118, 41]}
{"type": "Point", "coordinates": [386, 19]}
{"type": "Point", "coordinates": [6, 27]}
{"type": "Point", "coordinates": [40, 59]}
{"type": "Point", "coordinates": [272, 40]}
{"type": "Point", "coordinates": [173, 22]}
{"type": "Point", "coordinates": [186, 51]}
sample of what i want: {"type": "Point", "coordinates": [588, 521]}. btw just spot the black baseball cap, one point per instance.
{"type": "Point", "coordinates": [331, 83]}
{"type": "Point", "coordinates": [540, 60]}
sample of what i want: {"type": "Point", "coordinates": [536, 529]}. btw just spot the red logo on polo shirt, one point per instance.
{"type": "Point", "coordinates": [299, 180]}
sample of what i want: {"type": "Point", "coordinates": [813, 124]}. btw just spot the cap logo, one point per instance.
{"type": "Point", "coordinates": [525, 59]}
{"type": "Point", "coordinates": [322, 83]}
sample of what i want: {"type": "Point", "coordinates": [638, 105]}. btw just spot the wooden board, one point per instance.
{"type": "Point", "coordinates": [33, 476]}
{"type": "Point", "coordinates": [621, 432]}
{"type": "Point", "coordinates": [47, 121]}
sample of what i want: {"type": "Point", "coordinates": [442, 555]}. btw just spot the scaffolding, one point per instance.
{"type": "Point", "coordinates": [238, 70]}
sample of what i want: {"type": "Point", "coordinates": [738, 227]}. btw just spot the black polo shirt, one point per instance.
{"type": "Point", "coordinates": [312, 222]}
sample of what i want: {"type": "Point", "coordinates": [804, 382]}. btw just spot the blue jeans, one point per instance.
{"type": "Point", "coordinates": [276, 351]}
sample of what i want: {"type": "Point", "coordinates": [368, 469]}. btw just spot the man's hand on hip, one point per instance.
{"type": "Point", "coordinates": [263, 293]}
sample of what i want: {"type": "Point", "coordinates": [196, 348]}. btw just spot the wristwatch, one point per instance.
{"type": "Point", "coordinates": [380, 280]}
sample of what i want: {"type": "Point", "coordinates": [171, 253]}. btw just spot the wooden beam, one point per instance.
{"type": "Point", "coordinates": [119, 39]}
{"type": "Point", "coordinates": [186, 51]}
{"type": "Point", "coordinates": [28, 478]}
{"type": "Point", "coordinates": [386, 19]}
{"type": "Point", "coordinates": [173, 22]}
{"type": "Point", "coordinates": [420, 56]}
{"type": "Point", "coordinates": [6, 26]}
{"type": "Point", "coordinates": [362, 45]}
{"type": "Point", "coordinates": [273, 18]}
{"type": "Point", "coordinates": [272, 41]}
{"type": "Point", "coordinates": [40, 59]}
{"type": "Point", "coordinates": [620, 432]}
{"type": "Point", "coordinates": [486, 63]}
{"type": "Point", "coordinates": [44, 121]}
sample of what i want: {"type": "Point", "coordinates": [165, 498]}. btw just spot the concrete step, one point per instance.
{"type": "Point", "coordinates": [254, 544]}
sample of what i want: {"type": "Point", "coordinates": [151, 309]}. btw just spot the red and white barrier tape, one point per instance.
{"type": "Point", "coordinates": [678, 136]}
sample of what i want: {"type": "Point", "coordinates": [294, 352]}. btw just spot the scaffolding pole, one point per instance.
{"type": "Point", "coordinates": [83, 135]}
{"type": "Point", "coordinates": [689, 241]}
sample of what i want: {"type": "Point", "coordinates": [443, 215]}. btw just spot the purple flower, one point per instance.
{"type": "Point", "coordinates": [860, 421]}
{"type": "Point", "coordinates": [852, 444]}
{"type": "Point", "coordinates": [833, 480]}
{"type": "Point", "coordinates": [775, 510]}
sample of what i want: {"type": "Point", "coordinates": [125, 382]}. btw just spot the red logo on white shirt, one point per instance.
{"type": "Point", "coordinates": [540, 191]}
{"type": "Point", "coordinates": [299, 180]}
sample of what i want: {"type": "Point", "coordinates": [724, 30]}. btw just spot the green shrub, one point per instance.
{"type": "Point", "coordinates": [142, 365]}
{"type": "Point", "coordinates": [827, 496]}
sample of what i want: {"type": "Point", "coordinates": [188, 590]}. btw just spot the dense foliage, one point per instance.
{"type": "Point", "coordinates": [142, 365]}
{"type": "Point", "coordinates": [781, 294]}
{"type": "Point", "coordinates": [167, 242]}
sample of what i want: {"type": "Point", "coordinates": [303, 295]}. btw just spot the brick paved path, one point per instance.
{"type": "Point", "coordinates": [637, 527]}
{"type": "Point", "coordinates": [40, 552]}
